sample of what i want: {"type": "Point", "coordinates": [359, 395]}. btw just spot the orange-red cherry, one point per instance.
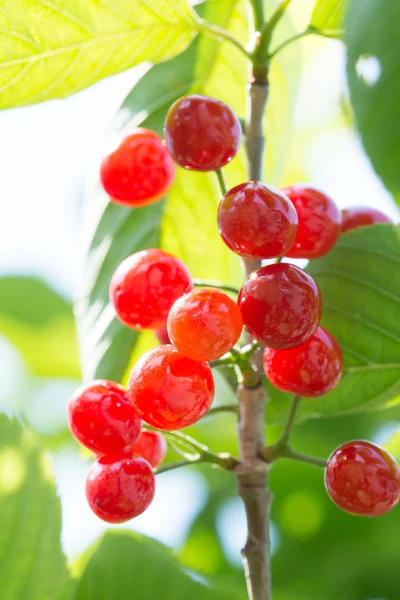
{"type": "Point", "coordinates": [319, 221]}
{"type": "Point", "coordinates": [202, 134]}
{"type": "Point", "coordinates": [101, 418]}
{"type": "Point", "coordinates": [204, 324]}
{"type": "Point", "coordinates": [140, 171]}
{"type": "Point", "coordinates": [312, 369]}
{"type": "Point", "coordinates": [151, 446]}
{"type": "Point", "coordinates": [257, 221]}
{"type": "Point", "coordinates": [170, 391]}
{"type": "Point", "coordinates": [119, 487]}
{"type": "Point", "coordinates": [281, 305]}
{"type": "Point", "coordinates": [363, 479]}
{"type": "Point", "coordinates": [360, 216]}
{"type": "Point", "coordinates": [145, 286]}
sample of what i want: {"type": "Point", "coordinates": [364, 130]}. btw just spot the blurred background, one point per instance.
{"type": "Point", "coordinates": [319, 552]}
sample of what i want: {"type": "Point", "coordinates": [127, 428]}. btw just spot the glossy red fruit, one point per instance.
{"type": "Point", "coordinates": [151, 446]}
{"type": "Point", "coordinates": [312, 369]}
{"type": "Point", "coordinates": [101, 418]}
{"type": "Point", "coordinates": [363, 479]}
{"type": "Point", "coordinates": [319, 221]}
{"type": "Point", "coordinates": [281, 305]}
{"type": "Point", "coordinates": [204, 324]}
{"type": "Point", "coordinates": [360, 216]}
{"type": "Point", "coordinates": [170, 391]}
{"type": "Point", "coordinates": [162, 336]}
{"type": "Point", "coordinates": [202, 133]}
{"type": "Point", "coordinates": [145, 286]}
{"type": "Point", "coordinates": [119, 487]}
{"type": "Point", "coordinates": [140, 171]}
{"type": "Point", "coordinates": [257, 221]}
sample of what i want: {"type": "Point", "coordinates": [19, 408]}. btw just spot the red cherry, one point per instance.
{"type": "Point", "coordinates": [140, 171]}
{"type": "Point", "coordinates": [204, 324]}
{"type": "Point", "coordinates": [360, 216]}
{"type": "Point", "coordinates": [363, 479]}
{"type": "Point", "coordinates": [151, 446]}
{"type": "Point", "coordinates": [257, 221]}
{"type": "Point", "coordinates": [319, 222]}
{"type": "Point", "coordinates": [101, 418]}
{"type": "Point", "coordinates": [170, 391]}
{"type": "Point", "coordinates": [312, 369]}
{"type": "Point", "coordinates": [145, 286]}
{"type": "Point", "coordinates": [162, 336]}
{"type": "Point", "coordinates": [119, 487]}
{"type": "Point", "coordinates": [281, 305]}
{"type": "Point", "coordinates": [202, 133]}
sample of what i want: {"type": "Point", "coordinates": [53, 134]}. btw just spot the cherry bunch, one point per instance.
{"type": "Point", "coordinates": [280, 306]}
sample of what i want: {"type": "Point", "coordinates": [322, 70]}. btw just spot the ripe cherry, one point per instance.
{"type": "Point", "coordinates": [101, 418]}
{"type": "Point", "coordinates": [257, 221]}
{"type": "Point", "coordinates": [360, 216]}
{"type": "Point", "coordinates": [202, 133]}
{"type": "Point", "coordinates": [145, 286]}
{"type": "Point", "coordinates": [281, 305]}
{"type": "Point", "coordinates": [119, 487]}
{"type": "Point", "coordinates": [151, 446]}
{"type": "Point", "coordinates": [140, 171]}
{"type": "Point", "coordinates": [162, 336]}
{"type": "Point", "coordinates": [204, 324]}
{"type": "Point", "coordinates": [363, 479]}
{"type": "Point", "coordinates": [170, 391]}
{"type": "Point", "coordinates": [312, 369]}
{"type": "Point", "coordinates": [319, 222]}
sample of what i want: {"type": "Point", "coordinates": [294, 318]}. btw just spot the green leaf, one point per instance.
{"type": "Point", "coordinates": [184, 223]}
{"type": "Point", "coordinates": [40, 324]}
{"type": "Point", "coordinates": [328, 16]}
{"type": "Point", "coordinates": [53, 48]}
{"type": "Point", "coordinates": [373, 71]}
{"type": "Point", "coordinates": [123, 565]}
{"type": "Point", "coordinates": [33, 566]}
{"type": "Point", "coordinates": [360, 285]}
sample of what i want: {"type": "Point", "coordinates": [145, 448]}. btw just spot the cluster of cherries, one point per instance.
{"type": "Point", "coordinates": [171, 387]}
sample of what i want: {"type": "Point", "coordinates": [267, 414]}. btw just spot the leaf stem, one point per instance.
{"type": "Point", "coordinates": [221, 34]}
{"type": "Point", "coordinates": [215, 284]}
{"type": "Point", "coordinates": [297, 36]}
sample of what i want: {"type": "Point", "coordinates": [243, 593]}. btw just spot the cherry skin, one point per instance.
{"type": "Point", "coordinates": [360, 216]}
{"type": "Point", "coordinates": [151, 446]}
{"type": "Point", "coordinates": [119, 487]}
{"type": "Point", "coordinates": [170, 391]}
{"type": "Point", "coordinates": [202, 134]}
{"type": "Point", "coordinates": [312, 369]}
{"type": "Point", "coordinates": [162, 336]}
{"type": "Point", "coordinates": [319, 222]}
{"type": "Point", "coordinates": [281, 305]}
{"type": "Point", "coordinates": [363, 479]}
{"type": "Point", "coordinates": [101, 418]}
{"type": "Point", "coordinates": [140, 171]}
{"type": "Point", "coordinates": [145, 286]}
{"type": "Point", "coordinates": [257, 221]}
{"type": "Point", "coordinates": [204, 324]}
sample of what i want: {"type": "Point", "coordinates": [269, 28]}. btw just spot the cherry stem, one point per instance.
{"type": "Point", "coordinates": [221, 34]}
{"type": "Point", "coordinates": [232, 408]}
{"type": "Point", "coordinates": [277, 451]}
{"type": "Point", "coordinates": [285, 437]}
{"type": "Point", "coordinates": [221, 181]}
{"type": "Point", "coordinates": [215, 284]}
{"type": "Point", "coordinates": [242, 360]}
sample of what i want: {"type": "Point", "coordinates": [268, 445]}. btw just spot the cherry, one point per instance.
{"type": "Point", "coordinates": [151, 446]}
{"type": "Point", "coordinates": [281, 305]}
{"type": "Point", "coordinates": [145, 286]}
{"type": "Point", "coordinates": [257, 221]}
{"type": "Point", "coordinates": [319, 222]}
{"type": "Point", "coordinates": [360, 216]}
{"type": "Point", "coordinates": [101, 418]}
{"type": "Point", "coordinates": [363, 479]}
{"type": "Point", "coordinates": [140, 171]}
{"type": "Point", "coordinates": [202, 133]}
{"type": "Point", "coordinates": [204, 324]}
{"type": "Point", "coordinates": [312, 369]}
{"type": "Point", "coordinates": [162, 335]}
{"type": "Point", "coordinates": [119, 487]}
{"type": "Point", "coordinates": [170, 391]}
